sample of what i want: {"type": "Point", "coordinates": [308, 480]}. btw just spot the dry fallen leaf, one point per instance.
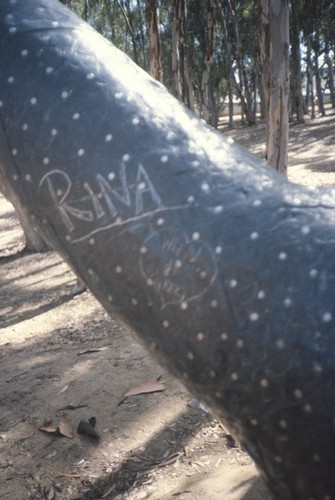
{"type": "Point", "coordinates": [48, 428]}
{"type": "Point", "coordinates": [64, 427]}
{"type": "Point", "coordinates": [145, 387]}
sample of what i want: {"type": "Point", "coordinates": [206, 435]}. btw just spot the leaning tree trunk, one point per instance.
{"type": "Point", "coordinates": [274, 44]}
{"type": "Point", "coordinates": [34, 242]}
{"type": "Point", "coordinates": [155, 61]}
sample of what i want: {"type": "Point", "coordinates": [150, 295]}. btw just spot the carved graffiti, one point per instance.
{"type": "Point", "coordinates": [103, 204]}
{"type": "Point", "coordinates": [186, 268]}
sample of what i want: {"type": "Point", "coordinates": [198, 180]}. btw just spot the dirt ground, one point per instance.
{"type": "Point", "coordinates": [63, 360]}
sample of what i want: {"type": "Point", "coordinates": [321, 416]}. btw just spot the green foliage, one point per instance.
{"type": "Point", "coordinates": [124, 23]}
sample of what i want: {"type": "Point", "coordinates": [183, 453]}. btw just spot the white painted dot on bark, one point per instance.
{"type": "Point", "coordinates": [135, 120]}
{"type": "Point", "coordinates": [164, 158]}
{"type": "Point", "coordinates": [118, 269]}
{"type": "Point", "coordinates": [218, 250]}
{"type": "Point", "coordinates": [81, 152]}
{"type": "Point", "coordinates": [327, 317]}
{"type": "Point", "coordinates": [282, 256]}
{"type": "Point", "coordinates": [190, 356]}
{"type": "Point", "coordinates": [108, 137]}
{"type": "Point", "coordinates": [184, 306]}
{"type": "Point", "coordinates": [200, 336]}
{"type": "Point", "coordinates": [234, 376]}
{"type": "Point", "coordinates": [261, 295]}
{"type": "Point", "coordinates": [305, 230]}
{"type": "Point", "coordinates": [46, 160]}
{"type": "Point", "coordinates": [298, 393]}
{"type": "Point", "coordinates": [317, 368]}
{"type": "Point", "coordinates": [313, 273]}
{"type": "Point", "coordinates": [232, 283]}
{"type": "Point", "coordinates": [264, 382]}
{"type": "Point", "coordinates": [195, 236]}
{"type": "Point", "coordinates": [166, 324]}
{"type": "Point", "coordinates": [254, 236]}
{"type": "Point", "coordinates": [254, 316]}
{"type": "Point", "coordinates": [283, 424]}
{"type": "Point", "coordinates": [280, 344]}
{"type": "Point", "coordinates": [224, 336]}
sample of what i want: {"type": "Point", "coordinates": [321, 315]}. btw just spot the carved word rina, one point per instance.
{"type": "Point", "coordinates": [103, 205]}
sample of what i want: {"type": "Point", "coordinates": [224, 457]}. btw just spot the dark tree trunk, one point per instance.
{"type": "Point", "coordinates": [207, 63]}
{"type": "Point", "coordinates": [222, 17]}
{"type": "Point", "coordinates": [155, 60]}
{"type": "Point", "coordinates": [182, 75]}
{"type": "Point", "coordinates": [241, 86]}
{"type": "Point", "coordinates": [274, 43]}
{"type": "Point", "coordinates": [296, 62]}
{"type": "Point", "coordinates": [319, 93]}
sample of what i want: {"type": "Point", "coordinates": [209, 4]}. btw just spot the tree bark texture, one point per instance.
{"type": "Point", "coordinates": [274, 44]}
{"type": "Point", "coordinates": [298, 102]}
{"type": "Point", "coordinates": [207, 61]}
{"type": "Point", "coordinates": [182, 75]}
{"type": "Point", "coordinates": [155, 61]}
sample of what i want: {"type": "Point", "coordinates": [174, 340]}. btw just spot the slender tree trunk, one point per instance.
{"type": "Point", "coordinates": [296, 61]}
{"type": "Point", "coordinates": [155, 60]}
{"type": "Point", "coordinates": [177, 84]}
{"type": "Point", "coordinates": [110, 18]}
{"type": "Point", "coordinates": [274, 43]}
{"type": "Point", "coordinates": [207, 62]}
{"type": "Point", "coordinates": [242, 86]}
{"type": "Point", "coordinates": [229, 61]}
{"type": "Point", "coordinates": [182, 80]}
{"type": "Point", "coordinates": [142, 34]}
{"type": "Point", "coordinates": [330, 74]}
{"type": "Point", "coordinates": [130, 29]}
{"type": "Point", "coordinates": [319, 93]}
